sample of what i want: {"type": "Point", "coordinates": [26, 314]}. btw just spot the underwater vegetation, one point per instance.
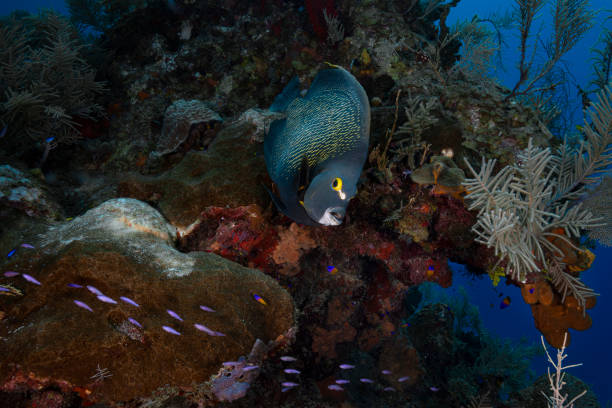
{"type": "Point", "coordinates": [146, 264]}
{"type": "Point", "coordinates": [47, 88]}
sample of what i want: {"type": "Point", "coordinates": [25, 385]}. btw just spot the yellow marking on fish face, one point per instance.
{"type": "Point", "coordinates": [337, 184]}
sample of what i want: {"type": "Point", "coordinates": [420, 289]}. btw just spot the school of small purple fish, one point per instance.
{"type": "Point", "coordinates": [286, 385]}
{"type": "Point", "coordinates": [107, 299]}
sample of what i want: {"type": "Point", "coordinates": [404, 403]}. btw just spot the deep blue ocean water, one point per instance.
{"type": "Point", "coordinates": [591, 348]}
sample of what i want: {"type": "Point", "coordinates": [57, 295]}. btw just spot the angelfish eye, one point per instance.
{"type": "Point", "coordinates": [336, 184]}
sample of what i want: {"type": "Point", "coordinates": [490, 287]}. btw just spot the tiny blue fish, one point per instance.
{"type": "Point", "coordinates": [231, 363]}
{"type": "Point", "coordinates": [250, 368]}
{"type": "Point", "coordinates": [49, 139]}
{"type": "Point", "coordinates": [3, 289]}
{"type": "Point", "coordinates": [342, 381]}
{"type": "Point", "coordinates": [346, 366]}
{"type": "Point", "coordinates": [366, 380]}
{"type": "Point", "coordinates": [388, 389]}
{"type": "Point", "coordinates": [134, 322]}
{"type": "Point", "coordinates": [288, 358]}
{"type": "Point", "coordinates": [386, 372]}
{"type": "Point", "coordinates": [94, 290]}
{"type": "Point", "coordinates": [289, 384]}
{"type": "Point", "coordinates": [30, 278]}
{"type": "Point", "coordinates": [11, 274]}
{"type": "Point", "coordinates": [27, 246]}
{"type": "Point", "coordinates": [291, 371]}
{"type": "Point", "coordinates": [402, 379]}
{"type": "Point", "coordinates": [171, 330]}
{"type": "Point", "coordinates": [207, 309]}
{"type": "Point", "coordinates": [205, 329]}
{"type": "Point", "coordinates": [434, 389]}
{"type": "Point", "coordinates": [285, 389]}
{"type": "Point", "coordinates": [83, 305]}
{"type": "Point", "coordinates": [174, 314]}
{"type": "Point", "coordinates": [128, 300]}
{"type": "Point", "coordinates": [11, 253]}
{"type": "Point", "coordinates": [335, 387]}
{"type": "Point", "coordinates": [74, 285]}
{"type": "Point", "coordinates": [106, 299]}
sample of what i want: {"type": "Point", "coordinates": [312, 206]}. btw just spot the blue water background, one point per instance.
{"type": "Point", "coordinates": [591, 348]}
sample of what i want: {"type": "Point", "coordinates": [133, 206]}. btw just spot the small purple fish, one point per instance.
{"type": "Point", "coordinates": [289, 384]}
{"type": "Point", "coordinates": [288, 358]}
{"type": "Point", "coordinates": [434, 389]}
{"type": "Point", "coordinates": [83, 305]}
{"type": "Point", "coordinates": [342, 381]}
{"type": "Point", "coordinates": [285, 389]}
{"type": "Point", "coordinates": [10, 274]}
{"type": "Point", "coordinates": [3, 289]}
{"type": "Point", "coordinates": [27, 246]}
{"type": "Point", "coordinates": [388, 389]}
{"type": "Point", "coordinates": [291, 371]}
{"type": "Point", "coordinates": [207, 309]}
{"type": "Point", "coordinates": [171, 330]}
{"type": "Point", "coordinates": [250, 368]}
{"type": "Point", "coordinates": [231, 363]}
{"type": "Point", "coordinates": [346, 366]}
{"type": "Point", "coordinates": [128, 300]}
{"type": "Point", "coordinates": [106, 299]}
{"type": "Point", "coordinates": [134, 322]}
{"type": "Point", "coordinates": [30, 278]}
{"type": "Point", "coordinates": [402, 379]}
{"type": "Point", "coordinates": [386, 372]}
{"type": "Point", "coordinates": [11, 253]}
{"type": "Point", "coordinates": [335, 387]}
{"type": "Point", "coordinates": [205, 329]}
{"type": "Point", "coordinates": [366, 380]}
{"type": "Point", "coordinates": [173, 314]}
{"type": "Point", "coordinates": [94, 290]}
{"type": "Point", "coordinates": [74, 285]}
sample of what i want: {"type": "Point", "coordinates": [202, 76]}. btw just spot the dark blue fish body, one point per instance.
{"type": "Point", "coordinates": [316, 153]}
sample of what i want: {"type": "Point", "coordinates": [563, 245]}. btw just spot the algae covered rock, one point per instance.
{"type": "Point", "coordinates": [230, 172]}
{"type": "Point", "coordinates": [24, 193]}
{"type": "Point", "coordinates": [121, 250]}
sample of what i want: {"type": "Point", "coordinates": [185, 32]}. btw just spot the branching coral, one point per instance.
{"type": "Point", "coordinates": [571, 20]}
{"type": "Point", "coordinates": [528, 209]}
{"type": "Point", "coordinates": [46, 84]}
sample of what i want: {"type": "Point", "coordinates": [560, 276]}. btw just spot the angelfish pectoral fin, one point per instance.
{"type": "Point", "coordinates": [295, 212]}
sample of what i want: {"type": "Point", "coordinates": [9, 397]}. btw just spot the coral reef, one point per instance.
{"type": "Point", "coordinates": [170, 213]}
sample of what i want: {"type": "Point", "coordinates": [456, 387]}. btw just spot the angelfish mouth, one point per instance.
{"type": "Point", "coordinates": [333, 216]}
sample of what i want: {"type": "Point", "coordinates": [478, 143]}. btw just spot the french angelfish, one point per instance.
{"type": "Point", "coordinates": [316, 153]}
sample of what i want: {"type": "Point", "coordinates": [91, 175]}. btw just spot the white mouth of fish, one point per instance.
{"type": "Point", "coordinates": [332, 216]}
